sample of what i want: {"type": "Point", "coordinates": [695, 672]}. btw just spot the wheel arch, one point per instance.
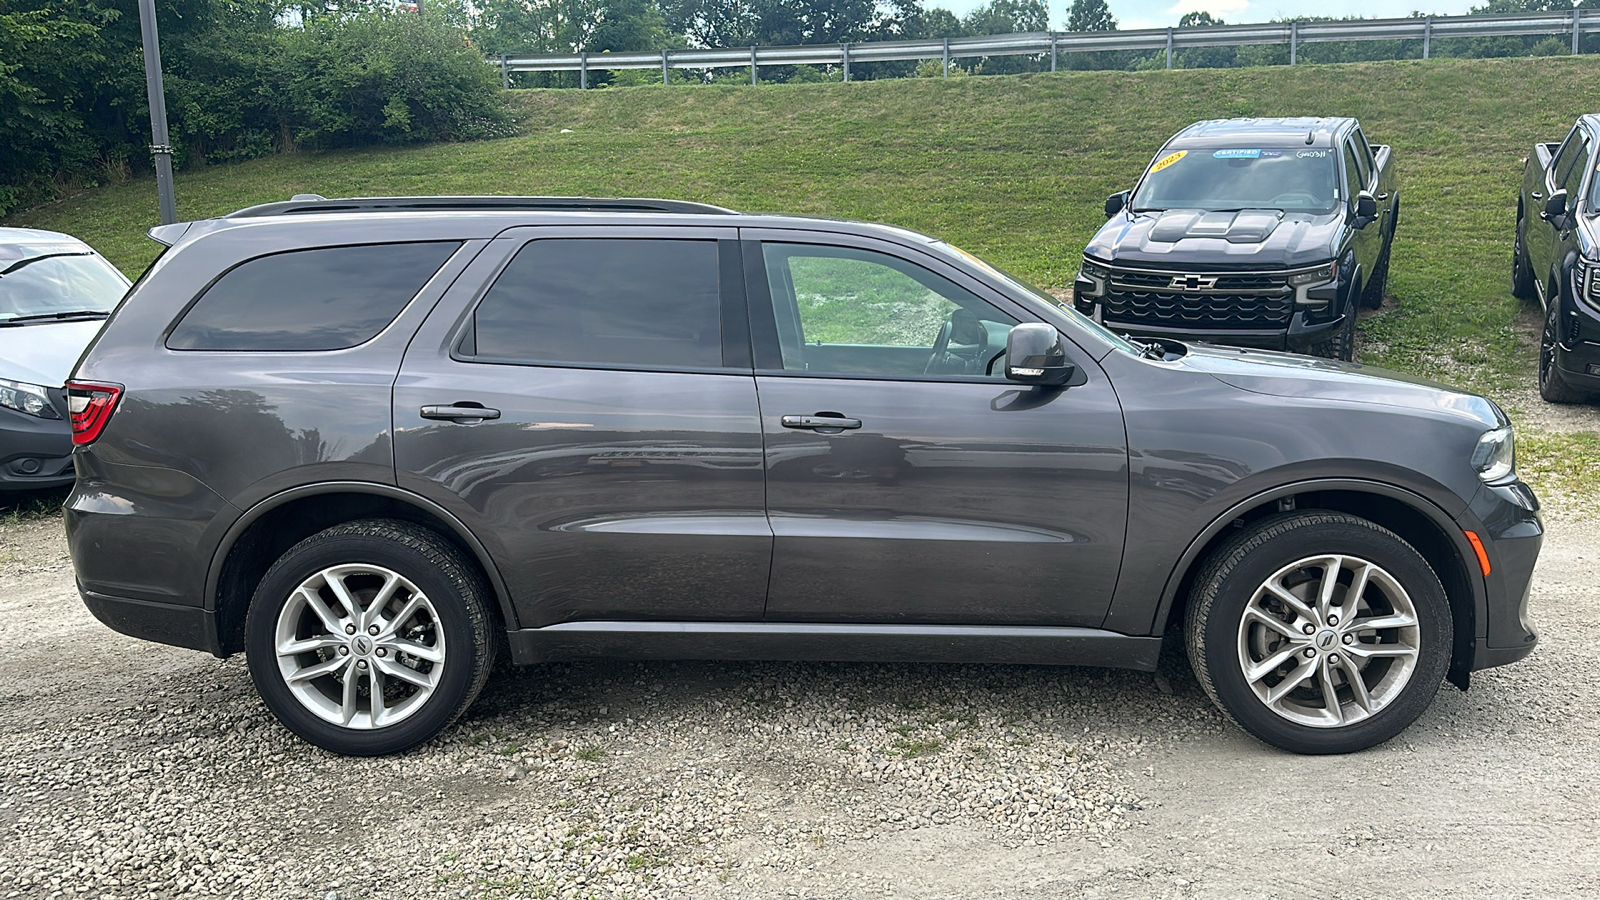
{"type": "Point", "coordinates": [274, 524]}
{"type": "Point", "coordinates": [1416, 519]}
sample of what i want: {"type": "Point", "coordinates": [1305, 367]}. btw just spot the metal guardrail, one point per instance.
{"type": "Point", "coordinates": [1426, 29]}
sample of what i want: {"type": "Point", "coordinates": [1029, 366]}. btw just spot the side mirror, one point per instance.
{"type": "Point", "coordinates": [1116, 203]}
{"type": "Point", "coordinates": [1034, 355]}
{"type": "Point", "coordinates": [1555, 205]}
{"type": "Point", "coordinates": [1366, 209]}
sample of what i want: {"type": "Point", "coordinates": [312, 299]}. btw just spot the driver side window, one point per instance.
{"type": "Point", "coordinates": [849, 311]}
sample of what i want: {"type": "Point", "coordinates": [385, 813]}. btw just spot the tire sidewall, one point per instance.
{"type": "Point", "coordinates": [312, 556]}
{"type": "Point", "coordinates": [1220, 632]}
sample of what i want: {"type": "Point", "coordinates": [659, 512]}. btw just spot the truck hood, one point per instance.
{"type": "Point", "coordinates": [1194, 238]}
{"type": "Point", "coordinates": [1303, 377]}
{"type": "Point", "coordinates": [44, 353]}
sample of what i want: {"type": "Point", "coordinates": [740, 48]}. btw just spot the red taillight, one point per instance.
{"type": "Point", "coordinates": [90, 406]}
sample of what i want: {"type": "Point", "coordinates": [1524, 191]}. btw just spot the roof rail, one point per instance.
{"type": "Point", "coordinates": [310, 203]}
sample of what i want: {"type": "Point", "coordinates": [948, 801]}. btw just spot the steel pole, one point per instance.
{"type": "Point", "coordinates": [160, 142]}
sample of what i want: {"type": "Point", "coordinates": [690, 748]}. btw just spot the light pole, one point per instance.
{"type": "Point", "coordinates": [159, 144]}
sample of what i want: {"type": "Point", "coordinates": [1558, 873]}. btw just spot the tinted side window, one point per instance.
{"type": "Point", "coordinates": [1561, 163]}
{"type": "Point", "coordinates": [1573, 180]}
{"type": "Point", "coordinates": [623, 302]}
{"type": "Point", "coordinates": [853, 311]}
{"type": "Point", "coordinates": [1360, 153]}
{"type": "Point", "coordinates": [330, 298]}
{"type": "Point", "coordinates": [1352, 176]}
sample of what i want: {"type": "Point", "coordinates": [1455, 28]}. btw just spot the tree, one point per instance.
{"type": "Point", "coordinates": [1090, 15]}
{"type": "Point", "coordinates": [1008, 17]}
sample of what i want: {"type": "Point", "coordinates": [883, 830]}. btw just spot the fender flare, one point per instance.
{"type": "Point", "coordinates": [268, 504]}
{"type": "Point", "coordinates": [1446, 522]}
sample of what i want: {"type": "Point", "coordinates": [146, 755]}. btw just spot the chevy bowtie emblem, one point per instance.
{"type": "Point", "coordinates": [1193, 282]}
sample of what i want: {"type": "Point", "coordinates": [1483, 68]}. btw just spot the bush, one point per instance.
{"type": "Point", "coordinates": [386, 76]}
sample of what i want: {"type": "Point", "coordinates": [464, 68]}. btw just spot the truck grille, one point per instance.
{"type": "Point", "coordinates": [1218, 300]}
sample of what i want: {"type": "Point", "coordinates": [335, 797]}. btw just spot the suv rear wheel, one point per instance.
{"type": "Point", "coordinates": [1319, 632]}
{"type": "Point", "coordinates": [370, 637]}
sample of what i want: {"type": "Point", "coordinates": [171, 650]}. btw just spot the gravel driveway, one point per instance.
{"type": "Point", "coordinates": [133, 770]}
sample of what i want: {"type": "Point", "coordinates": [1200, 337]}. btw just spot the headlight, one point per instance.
{"type": "Point", "coordinates": [1093, 270]}
{"type": "Point", "coordinates": [1319, 275]}
{"type": "Point", "coordinates": [1587, 286]}
{"type": "Point", "coordinates": [27, 398]}
{"type": "Point", "coordinates": [1496, 454]}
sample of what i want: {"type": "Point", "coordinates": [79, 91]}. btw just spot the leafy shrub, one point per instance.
{"type": "Point", "coordinates": [386, 76]}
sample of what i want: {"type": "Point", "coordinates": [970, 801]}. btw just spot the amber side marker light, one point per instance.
{"type": "Point", "coordinates": [1477, 547]}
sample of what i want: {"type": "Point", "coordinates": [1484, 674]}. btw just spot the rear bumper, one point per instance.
{"type": "Point", "coordinates": [164, 623]}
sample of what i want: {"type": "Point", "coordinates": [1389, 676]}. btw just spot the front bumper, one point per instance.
{"type": "Point", "coordinates": [35, 453]}
{"type": "Point", "coordinates": [1512, 533]}
{"type": "Point", "coordinates": [1299, 337]}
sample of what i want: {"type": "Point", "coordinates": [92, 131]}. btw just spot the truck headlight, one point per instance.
{"type": "Point", "coordinates": [1586, 285]}
{"type": "Point", "coordinates": [1496, 454]}
{"type": "Point", "coordinates": [29, 399]}
{"type": "Point", "coordinates": [1091, 280]}
{"type": "Point", "coordinates": [1319, 275]}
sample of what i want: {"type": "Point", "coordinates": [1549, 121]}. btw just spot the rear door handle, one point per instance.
{"type": "Point", "coordinates": [460, 412]}
{"type": "Point", "coordinates": [1537, 195]}
{"type": "Point", "coordinates": [820, 422]}
{"type": "Point", "coordinates": [1383, 196]}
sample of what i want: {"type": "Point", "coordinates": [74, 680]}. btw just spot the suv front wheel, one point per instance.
{"type": "Point", "coordinates": [370, 637]}
{"type": "Point", "coordinates": [1319, 632]}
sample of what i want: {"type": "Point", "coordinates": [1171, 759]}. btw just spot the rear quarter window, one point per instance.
{"type": "Point", "coordinates": [329, 298]}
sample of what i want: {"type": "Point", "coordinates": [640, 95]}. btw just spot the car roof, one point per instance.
{"type": "Point", "coordinates": [489, 215]}
{"type": "Point", "coordinates": [1296, 131]}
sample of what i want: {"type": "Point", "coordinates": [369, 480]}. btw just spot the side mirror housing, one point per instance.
{"type": "Point", "coordinates": [1116, 203]}
{"type": "Point", "coordinates": [1366, 209]}
{"type": "Point", "coordinates": [1555, 205]}
{"type": "Point", "coordinates": [1034, 355]}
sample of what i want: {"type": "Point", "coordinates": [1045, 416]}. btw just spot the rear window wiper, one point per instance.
{"type": "Point", "coordinates": [56, 316]}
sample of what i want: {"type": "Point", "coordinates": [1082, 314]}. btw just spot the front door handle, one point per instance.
{"type": "Point", "coordinates": [1383, 196]}
{"type": "Point", "coordinates": [820, 422]}
{"type": "Point", "coordinates": [1537, 195]}
{"type": "Point", "coordinates": [460, 412]}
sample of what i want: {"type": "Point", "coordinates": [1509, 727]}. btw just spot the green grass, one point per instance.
{"type": "Point", "coordinates": [1013, 169]}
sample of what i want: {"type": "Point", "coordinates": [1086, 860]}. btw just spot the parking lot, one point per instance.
{"type": "Point", "coordinates": [130, 770]}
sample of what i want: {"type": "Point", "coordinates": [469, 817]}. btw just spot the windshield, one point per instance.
{"type": "Point", "coordinates": [81, 282]}
{"type": "Point", "coordinates": [1241, 178]}
{"type": "Point", "coordinates": [1060, 306]}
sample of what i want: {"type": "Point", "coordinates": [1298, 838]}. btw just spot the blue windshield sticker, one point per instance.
{"type": "Point", "coordinates": [1236, 154]}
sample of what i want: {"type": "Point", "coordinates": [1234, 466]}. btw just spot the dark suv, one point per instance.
{"type": "Point", "coordinates": [370, 443]}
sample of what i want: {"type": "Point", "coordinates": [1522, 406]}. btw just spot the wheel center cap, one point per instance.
{"type": "Point", "coordinates": [1326, 639]}
{"type": "Point", "coordinates": [361, 646]}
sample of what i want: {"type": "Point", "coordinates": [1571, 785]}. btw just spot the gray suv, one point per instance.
{"type": "Point", "coordinates": [374, 443]}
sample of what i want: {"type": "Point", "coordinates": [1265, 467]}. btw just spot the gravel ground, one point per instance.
{"type": "Point", "coordinates": [133, 770]}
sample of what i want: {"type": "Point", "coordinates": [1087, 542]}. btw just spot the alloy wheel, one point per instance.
{"type": "Point", "coordinates": [1328, 641]}
{"type": "Point", "coordinates": [360, 646]}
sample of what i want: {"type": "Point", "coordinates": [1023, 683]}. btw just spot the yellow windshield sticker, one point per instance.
{"type": "Point", "coordinates": [1168, 160]}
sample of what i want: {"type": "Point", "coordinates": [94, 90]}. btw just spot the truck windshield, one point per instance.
{"type": "Point", "coordinates": [1300, 179]}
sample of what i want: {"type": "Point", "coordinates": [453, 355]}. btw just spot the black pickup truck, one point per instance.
{"type": "Point", "coordinates": [1256, 232]}
{"type": "Point", "coordinates": [1556, 257]}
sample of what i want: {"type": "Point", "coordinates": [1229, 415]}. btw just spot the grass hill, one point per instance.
{"type": "Point", "coordinates": [1014, 169]}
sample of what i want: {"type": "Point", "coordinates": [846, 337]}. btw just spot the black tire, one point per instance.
{"type": "Point", "coordinates": [1372, 296]}
{"type": "Point", "coordinates": [1341, 344]}
{"type": "Point", "coordinates": [1552, 387]}
{"type": "Point", "coordinates": [1228, 583]}
{"type": "Point", "coordinates": [453, 619]}
{"type": "Point", "coordinates": [1521, 271]}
